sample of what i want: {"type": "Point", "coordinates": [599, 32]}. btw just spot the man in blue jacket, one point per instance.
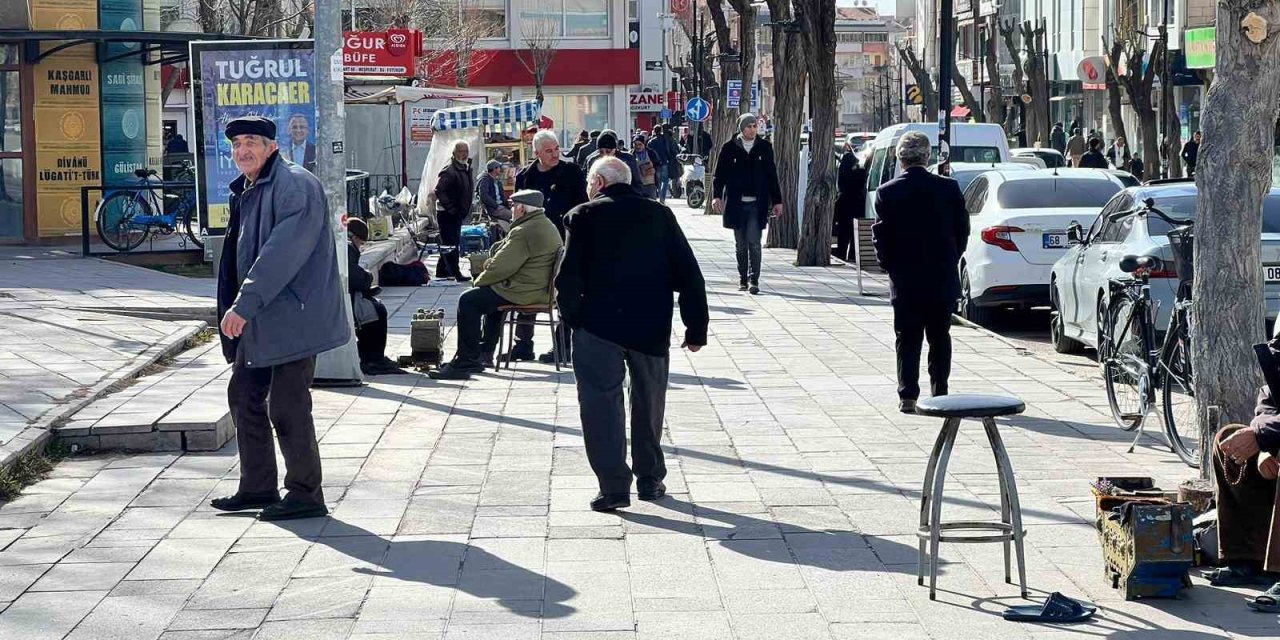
{"type": "Point", "coordinates": [280, 304]}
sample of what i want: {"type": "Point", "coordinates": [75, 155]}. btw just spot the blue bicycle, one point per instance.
{"type": "Point", "coordinates": [126, 219]}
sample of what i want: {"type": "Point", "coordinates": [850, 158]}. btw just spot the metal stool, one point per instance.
{"type": "Point", "coordinates": [1009, 529]}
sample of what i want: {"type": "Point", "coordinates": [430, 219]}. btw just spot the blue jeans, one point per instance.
{"type": "Point", "coordinates": [664, 183]}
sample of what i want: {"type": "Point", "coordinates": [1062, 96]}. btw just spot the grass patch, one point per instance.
{"type": "Point", "coordinates": [29, 469]}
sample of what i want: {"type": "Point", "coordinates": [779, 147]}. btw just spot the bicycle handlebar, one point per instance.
{"type": "Point", "coordinates": [1149, 207]}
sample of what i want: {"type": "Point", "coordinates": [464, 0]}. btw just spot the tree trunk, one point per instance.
{"type": "Point", "coordinates": [1009, 33]}
{"type": "Point", "coordinates": [747, 12]}
{"type": "Point", "coordinates": [722, 118]}
{"type": "Point", "coordinates": [817, 18]}
{"type": "Point", "coordinates": [995, 100]}
{"type": "Point", "coordinates": [928, 96]}
{"type": "Point", "coordinates": [789, 79]}
{"type": "Point", "coordinates": [1115, 109]}
{"type": "Point", "coordinates": [1173, 143]}
{"type": "Point", "coordinates": [1234, 175]}
{"type": "Point", "coordinates": [1037, 74]}
{"type": "Point", "coordinates": [970, 102]}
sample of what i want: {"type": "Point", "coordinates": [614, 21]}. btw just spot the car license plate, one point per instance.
{"type": "Point", "coordinates": [1272, 272]}
{"type": "Point", "coordinates": [1055, 241]}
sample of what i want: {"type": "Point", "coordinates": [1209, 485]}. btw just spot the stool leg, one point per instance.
{"type": "Point", "coordinates": [513, 320]}
{"type": "Point", "coordinates": [497, 357]}
{"type": "Point", "coordinates": [951, 426]}
{"type": "Point", "coordinates": [1006, 470]}
{"type": "Point", "coordinates": [557, 338]}
{"type": "Point", "coordinates": [989, 426]}
{"type": "Point", "coordinates": [926, 498]}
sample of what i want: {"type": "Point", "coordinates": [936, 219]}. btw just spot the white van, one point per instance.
{"type": "Point", "coordinates": [970, 142]}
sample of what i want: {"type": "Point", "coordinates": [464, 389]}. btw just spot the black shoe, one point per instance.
{"type": "Point", "coordinates": [610, 502]}
{"type": "Point", "coordinates": [245, 501]}
{"type": "Point", "coordinates": [380, 368]}
{"type": "Point", "coordinates": [550, 358]}
{"type": "Point", "coordinates": [755, 289]}
{"type": "Point", "coordinates": [462, 279]}
{"type": "Point", "coordinates": [521, 352]}
{"type": "Point", "coordinates": [292, 510]}
{"type": "Point", "coordinates": [907, 405]}
{"type": "Point", "coordinates": [650, 490]}
{"type": "Point", "coordinates": [742, 286]}
{"type": "Point", "coordinates": [456, 370]}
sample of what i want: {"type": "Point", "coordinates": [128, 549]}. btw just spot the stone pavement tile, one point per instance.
{"type": "Point", "coordinates": [309, 629]}
{"type": "Point", "coordinates": [412, 560]}
{"type": "Point", "coordinates": [509, 527]}
{"type": "Point", "coordinates": [754, 564]}
{"type": "Point", "coordinates": [128, 618]}
{"type": "Point", "coordinates": [66, 576]}
{"type": "Point", "coordinates": [150, 518]}
{"type": "Point", "coordinates": [794, 626]}
{"type": "Point", "coordinates": [409, 601]}
{"type": "Point", "coordinates": [675, 588]}
{"type": "Point", "coordinates": [882, 631]}
{"type": "Point", "coordinates": [588, 635]}
{"type": "Point", "coordinates": [26, 550]}
{"type": "Point", "coordinates": [682, 626]}
{"type": "Point", "coordinates": [15, 580]}
{"type": "Point", "coordinates": [402, 629]}
{"type": "Point", "coordinates": [192, 620]}
{"type": "Point", "coordinates": [439, 514]}
{"type": "Point", "coordinates": [585, 550]}
{"type": "Point", "coordinates": [526, 631]}
{"type": "Point", "coordinates": [227, 526]}
{"type": "Point", "coordinates": [190, 558]}
{"type": "Point", "coordinates": [339, 557]}
{"type": "Point", "coordinates": [210, 634]}
{"type": "Point", "coordinates": [181, 492]}
{"type": "Point", "coordinates": [9, 535]}
{"type": "Point", "coordinates": [770, 601]}
{"type": "Point", "coordinates": [665, 548]}
{"type": "Point", "coordinates": [327, 597]}
{"type": "Point", "coordinates": [183, 588]}
{"type": "Point", "coordinates": [37, 616]}
{"type": "Point", "coordinates": [246, 580]}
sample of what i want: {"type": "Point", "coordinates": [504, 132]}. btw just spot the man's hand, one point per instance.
{"type": "Point", "coordinates": [693, 348]}
{"type": "Point", "coordinates": [232, 324]}
{"type": "Point", "coordinates": [777, 211]}
{"type": "Point", "coordinates": [717, 205]}
{"type": "Point", "coordinates": [1241, 446]}
{"type": "Point", "coordinates": [1268, 466]}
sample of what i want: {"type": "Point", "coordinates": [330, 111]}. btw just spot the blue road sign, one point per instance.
{"type": "Point", "coordinates": [698, 110]}
{"type": "Point", "coordinates": [665, 114]}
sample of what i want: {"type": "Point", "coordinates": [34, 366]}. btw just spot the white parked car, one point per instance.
{"type": "Point", "coordinates": [1018, 230]}
{"type": "Point", "coordinates": [979, 143]}
{"type": "Point", "coordinates": [1051, 158]}
{"type": "Point", "coordinates": [965, 172]}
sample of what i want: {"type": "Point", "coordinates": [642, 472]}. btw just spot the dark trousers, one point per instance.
{"type": "Point", "coordinates": [913, 322]}
{"type": "Point", "coordinates": [450, 238]}
{"type": "Point", "coordinates": [844, 240]}
{"type": "Point", "coordinates": [601, 367]}
{"type": "Point", "coordinates": [371, 337]}
{"type": "Point", "coordinates": [279, 397]}
{"type": "Point", "coordinates": [746, 239]}
{"type": "Point", "coordinates": [1248, 512]}
{"type": "Point", "coordinates": [480, 323]}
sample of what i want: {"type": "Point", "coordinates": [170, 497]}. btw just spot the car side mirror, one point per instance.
{"type": "Point", "coordinates": [1075, 234]}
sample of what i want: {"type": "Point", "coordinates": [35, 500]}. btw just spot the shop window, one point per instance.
{"type": "Point", "coordinates": [10, 112]}
{"type": "Point", "coordinates": [8, 54]}
{"type": "Point", "coordinates": [574, 113]}
{"type": "Point", "coordinates": [10, 198]}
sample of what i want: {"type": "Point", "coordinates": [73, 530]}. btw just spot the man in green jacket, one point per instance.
{"type": "Point", "coordinates": [518, 272]}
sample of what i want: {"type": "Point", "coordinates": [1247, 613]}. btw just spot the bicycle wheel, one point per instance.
{"type": "Point", "coordinates": [116, 224]}
{"type": "Point", "coordinates": [1125, 368]}
{"type": "Point", "coordinates": [1177, 397]}
{"type": "Point", "coordinates": [189, 225]}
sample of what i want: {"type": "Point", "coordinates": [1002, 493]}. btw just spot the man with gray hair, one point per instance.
{"type": "Point", "coordinates": [454, 192]}
{"type": "Point", "coordinates": [625, 258]}
{"type": "Point", "coordinates": [922, 229]}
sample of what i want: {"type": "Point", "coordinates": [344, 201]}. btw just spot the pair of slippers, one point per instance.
{"type": "Point", "coordinates": [1266, 602]}
{"type": "Point", "coordinates": [1058, 609]}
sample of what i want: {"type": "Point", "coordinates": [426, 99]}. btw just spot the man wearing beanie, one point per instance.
{"type": "Point", "coordinates": [580, 158]}
{"type": "Point", "coordinates": [279, 305]}
{"type": "Point", "coordinates": [747, 194]}
{"type": "Point", "coordinates": [608, 147]}
{"type": "Point", "coordinates": [370, 314]}
{"type": "Point", "coordinates": [516, 274]}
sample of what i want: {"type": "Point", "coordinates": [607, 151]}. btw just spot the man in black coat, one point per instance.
{"type": "Point", "coordinates": [922, 230]}
{"type": "Point", "coordinates": [1191, 154]}
{"type": "Point", "coordinates": [369, 312]}
{"type": "Point", "coordinates": [454, 193]}
{"type": "Point", "coordinates": [585, 151]}
{"type": "Point", "coordinates": [851, 203]}
{"type": "Point", "coordinates": [606, 146]}
{"type": "Point", "coordinates": [746, 192]}
{"type": "Point", "coordinates": [625, 258]}
{"type": "Point", "coordinates": [1093, 158]}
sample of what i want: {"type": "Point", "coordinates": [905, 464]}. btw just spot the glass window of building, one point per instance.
{"type": "Point", "coordinates": [573, 18]}
{"type": "Point", "coordinates": [574, 113]}
{"type": "Point", "coordinates": [490, 13]}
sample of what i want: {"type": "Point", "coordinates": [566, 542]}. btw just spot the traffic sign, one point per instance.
{"type": "Point", "coordinates": [665, 114]}
{"type": "Point", "coordinates": [698, 110]}
{"type": "Point", "coordinates": [735, 94]}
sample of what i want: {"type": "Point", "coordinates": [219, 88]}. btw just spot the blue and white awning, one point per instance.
{"type": "Point", "coordinates": [504, 117]}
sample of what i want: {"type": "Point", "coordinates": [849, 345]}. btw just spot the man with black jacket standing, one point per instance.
{"type": "Point", "coordinates": [564, 186]}
{"type": "Point", "coordinates": [921, 231]}
{"type": "Point", "coordinates": [851, 204]}
{"type": "Point", "coordinates": [454, 192]}
{"type": "Point", "coordinates": [746, 192]}
{"type": "Point", "coordinates": [625, 257]}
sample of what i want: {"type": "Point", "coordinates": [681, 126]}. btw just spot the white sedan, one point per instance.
{"type": "Point", "coordinates": [1018, 230]}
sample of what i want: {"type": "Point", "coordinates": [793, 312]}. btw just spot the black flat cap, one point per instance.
{"type": "Point", "coordinates": [251, 125]}
{"type": "Point", "coordinates": [358, 228]}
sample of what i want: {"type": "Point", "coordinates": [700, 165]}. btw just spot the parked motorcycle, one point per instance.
{"type": "Point", "coordinates": [693, 182]}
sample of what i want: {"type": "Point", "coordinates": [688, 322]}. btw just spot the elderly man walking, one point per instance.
{"type": "Point", "coordinates": [280, 304]}
{"type": "Point", "coordinates": [563, 186]}
{"type": "Point", "coordinates": [747, 194]}
{"type": "Point", "coordinates": [517, 273]}
{"type": "Point", "coordinates": [625, 258]}
{"type": "Point", "coordinates": [921, 231]}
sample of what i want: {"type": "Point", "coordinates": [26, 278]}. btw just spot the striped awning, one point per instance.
{"type": "Point", "coordinates": [504, 117]}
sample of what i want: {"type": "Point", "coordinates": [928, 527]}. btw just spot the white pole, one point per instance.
{"type": "Point", "coordinates": [857, 252]}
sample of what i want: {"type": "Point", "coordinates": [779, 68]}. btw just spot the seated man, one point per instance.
{"type": "Point", "coordinates": [517, 273]}
{"type": "Point", "coordinates": [1245, 467]}
{"type": "Point", "coordinates": [490, 188]}
{"type": "Point", "coordinates": [370, 314]}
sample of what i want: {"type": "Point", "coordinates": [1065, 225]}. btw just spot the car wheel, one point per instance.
{"type": "Point", "coordinates": [1057, 330]}
{"type": "Point", "coordinates": [1099, 327]}
{"type": "Point", "coordinates": [972, 312]}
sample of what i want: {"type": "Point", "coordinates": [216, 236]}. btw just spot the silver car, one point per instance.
{"type": "Point", "coordinates": [1078, 281]}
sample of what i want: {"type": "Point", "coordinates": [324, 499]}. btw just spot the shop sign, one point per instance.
{"type": "Point", "coordinates": [268, 78]}
{"type": "Point", "coordinates": [420, 131]}
{"type": "Point", "coordinates": [1092, 72]}
{"type": "Point", "coordinates": [390, 53]}
{"type": "Point", "coordinates": [1201, 48]}
{"type": "Point", "coordinates": [646, 101]}
{"type": "Point", "coordinates": [69, 155]}
{"type": "Point", "coordinates": [64, 15]}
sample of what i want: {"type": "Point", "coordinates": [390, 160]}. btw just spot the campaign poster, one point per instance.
{"type": "Point", "coordinates": [269, 78]}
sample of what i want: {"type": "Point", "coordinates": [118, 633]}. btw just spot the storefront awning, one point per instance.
{"type": "Point", "coordinates": [168, 47]}
{"type": "Point", "coordinates": [504, 117]}
{"type": "Point", "coordinates": [395, 94]}
{"type": "Point", "coordinates": [959, 111]}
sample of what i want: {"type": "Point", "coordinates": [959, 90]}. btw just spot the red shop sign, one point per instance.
{"type": "Point", "coordinates": [390, 53]}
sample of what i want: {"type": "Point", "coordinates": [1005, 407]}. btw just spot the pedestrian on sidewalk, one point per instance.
{"type": "Point", "coordinates": [583, 138]}
{"type": "Point", "coordinates": [1076, 147]}
{"type": "Point", "coordinates": [563, 186]}
{"type": "Point", "coordinates": [747, 195]}
{"type": "Point", "coordinates": [645, 160]}
{"type": "Point", "coordinates": [280, 304]}
{"type": "Point", "coordinates": [1058, 138]}
{"type": "Point", "coordinates": [1093, 158]}
{"type": "Point", "coordinates": [455, 190]}
{"type": "Point", "coordinates": [517, 273]}
{"type": "Point", "coordinates": [1191, 154]}
{"type": "Point", "coordinates": [369, 313]}
{"type": "Point", "coordinates": [584, 152]}
{"type": "Point", "coordinates": [606, 147]}
{"type": "Point", "coordinates": [625, 258]}
{"type": "Point", "coordinates": [663, 157]}
{"type": "Point", "coordinates": [851, 204]}
{"type": "Point", "coordinates": [921, 231]}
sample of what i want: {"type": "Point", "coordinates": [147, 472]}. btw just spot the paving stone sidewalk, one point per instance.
{"type": "Point", "coordinates": [459, 509]}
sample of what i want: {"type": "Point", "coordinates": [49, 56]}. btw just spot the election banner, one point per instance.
{"type": "Point", "coordinates": [231, 79]}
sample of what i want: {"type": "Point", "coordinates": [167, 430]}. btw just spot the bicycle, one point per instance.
{"type": "Point", "coordinates": [1133, 367]}
{"type": "Point", "coordinates": [125, 219]}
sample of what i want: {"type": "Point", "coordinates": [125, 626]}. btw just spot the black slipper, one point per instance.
{"type": "Point", "coordinates": [1266, 602]}
{"type": "Point", "coordinates": [1058, 609]}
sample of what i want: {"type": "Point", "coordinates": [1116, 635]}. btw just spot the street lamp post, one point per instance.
{"type": "Point", "coordinates": [946, 53]}
{"type": "Point", "coordinates": [1166, 95]}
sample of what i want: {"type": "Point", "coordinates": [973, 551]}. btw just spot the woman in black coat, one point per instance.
{"type": "Point", "coordinates": [850, 204]}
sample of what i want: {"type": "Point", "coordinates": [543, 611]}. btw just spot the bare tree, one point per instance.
{"type": "Point", "coordinates": [538, 33]}
{"type": "Point", "coordinates": [1115, 108]}
{"type": "Point", "coordinates": [722, 118]}
{"type": "Point", "coordinates": [970, 102]}
{"type": "Point", "coordinates": [789, 79]}
{"type": "Point", "coordinates": [818, 24]}
{"type": "Point", "coordinates": [928, 95]}
{"type": "Point", "coordinates": [747, 12]}
{"type": "Point", "coordinates": [1138, 78]}
{"type": "Point", "coordinates": [995, 103]}
{"type": "Point", "coordinates": [1234, 176]}
{"type": "Point", "coordinates": [1037, 71]}
{"type": "Point", "coordinates": [1009, 33]}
